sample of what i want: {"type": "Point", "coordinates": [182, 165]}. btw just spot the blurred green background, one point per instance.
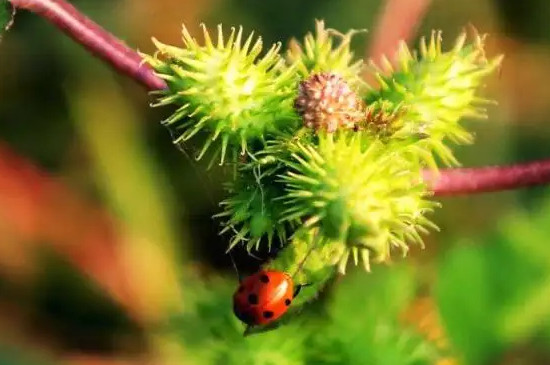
{"type": "Point", "coordinates": [109, 255]}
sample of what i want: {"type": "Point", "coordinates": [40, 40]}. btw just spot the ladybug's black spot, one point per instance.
{"type": "Point", "coordinates": [243, 316]}
{"type": "Point", "coordinates": [268, 314]}
{"type": "Point", "coordinates": [287, 302]}
{"type": "Point", "coordinates": [252, 299]}
{"type": "Point", "coordinates": [264, 278]}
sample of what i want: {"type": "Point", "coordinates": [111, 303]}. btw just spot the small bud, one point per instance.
{"type": "Point", "coordinates": [326, 102]}
{"type": "Point", "coordinates": [382, 118]}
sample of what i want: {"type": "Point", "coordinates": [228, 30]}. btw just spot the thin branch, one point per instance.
{"type": "Point", "coordinates": [463, 181]}
{"type": "Point", "coordinates": [125, 60]}
{"type": "Point", "coordinates": [94, 38]}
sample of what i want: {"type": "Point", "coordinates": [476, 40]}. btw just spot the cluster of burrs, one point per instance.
{"type": "Point", "coordinates": [321, 158]}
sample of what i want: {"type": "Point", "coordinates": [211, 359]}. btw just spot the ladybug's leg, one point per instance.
{"type": "Point", "coordinates": [251, 330]}
{"type": "Point", "coordinates": [298, 288]}
{"type": "Point", "coordinates": [247, 330]}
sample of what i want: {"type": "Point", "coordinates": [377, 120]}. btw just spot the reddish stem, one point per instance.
{"type": "Point", "coordinates": [450, 181]}
{"type": "Point", "coordinates": [397, 21]}
{"type": "Point", "coordinates": [94, 38]}
{"type": "Point", "coordinates": [491, 178]}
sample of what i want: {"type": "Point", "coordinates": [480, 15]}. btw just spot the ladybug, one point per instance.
{"type": "Point", "coordinates": [263, 297]}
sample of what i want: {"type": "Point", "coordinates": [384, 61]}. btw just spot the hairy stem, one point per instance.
{"type": "Point", "coordinates": [486, 179]}
{"type": "Point", "coordinates": [127, 61]}
{"type": "Point", "coordinates": [94, 38]}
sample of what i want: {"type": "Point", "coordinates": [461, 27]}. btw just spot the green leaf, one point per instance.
{"type": "Point", "coordinates": [363, 324]}
{"type": "Point", "coordinates": [491, 296]}
{"type": "Point", "coordinates": [466, 303]}
{"type": "Point", "coordinates": [6, 16]}
{"type": "Point", "coordinates": [529, 309]}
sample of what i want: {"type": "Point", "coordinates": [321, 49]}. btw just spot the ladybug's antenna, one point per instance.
{"type": "Point", "coordinates": [235, 266]}
{"type": "Point", "coordinates": [316, 240]}
{"type": "Point", "coordinates": [204, 180]}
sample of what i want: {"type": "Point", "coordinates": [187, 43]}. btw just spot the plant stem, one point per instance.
{"type": "Point", "coordinates": [391, 29]}
{"type": "Point", "coordinates": [94, 38]}
{"type": "Point", "coordinates": [127, 61]}
{"type": "Point", "coordinates": [460, 181]}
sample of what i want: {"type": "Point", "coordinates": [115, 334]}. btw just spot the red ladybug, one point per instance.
{"type": "Point", "coordinates": [263, 297]}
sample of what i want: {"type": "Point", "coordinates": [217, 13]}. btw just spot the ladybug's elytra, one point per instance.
{"type": "Point", "coordinates": [263, 297]}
